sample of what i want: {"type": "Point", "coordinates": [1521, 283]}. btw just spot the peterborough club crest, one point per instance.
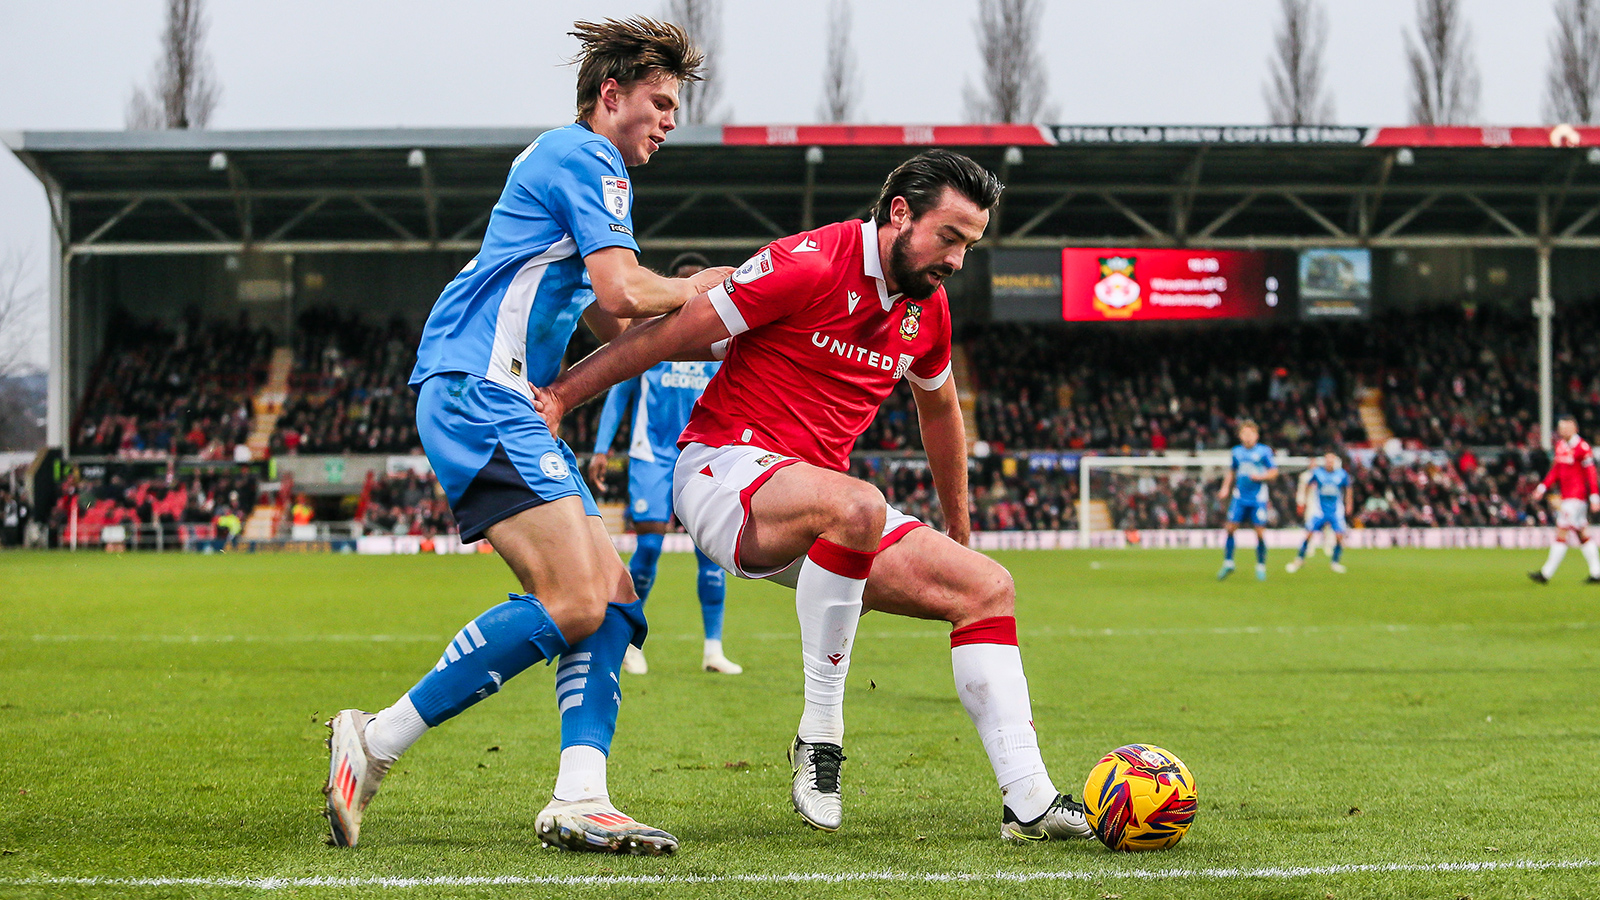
{"type": "Point", "coordinates": [911, 322]}
{"type": "Point", "coordinates": [615, 191]}
{"type": "Point", "coordinates": [1116, 294]}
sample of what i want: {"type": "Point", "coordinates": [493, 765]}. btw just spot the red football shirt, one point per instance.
{"type": "Point", "coordinates": [818, 343]}
{"type": "Point", "coordinates": [1573, 470]}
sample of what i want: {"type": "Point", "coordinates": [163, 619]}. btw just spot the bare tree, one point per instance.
{"type": "Point", "coordinates": [1295, 93]}
{"type": "Point", "coordinates": [1444, 76]}
{"type": "Point", "coordinates": [841, 82]}
{"type": "Point", "coordinates": [183, 90]}
{"type": "Point", "coordinates": [1013, 85]}
{"type": "Point", "coordinates": [19, 330]}
{"type": "Point", "coordinates": [1572, 92]}
{"type": "Point", "coordinates": [702, 21]}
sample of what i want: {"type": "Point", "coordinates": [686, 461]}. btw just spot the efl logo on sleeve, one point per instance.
{"type": "Point", "coordinates": [756, 267]}
{"type": "Point", "coordinates": [616, 195]}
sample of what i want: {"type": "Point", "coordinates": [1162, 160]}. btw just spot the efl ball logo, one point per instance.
{"type": "Point", "coordinates": [1116, 294]}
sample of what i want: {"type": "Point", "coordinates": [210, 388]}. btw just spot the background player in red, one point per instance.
{"type": "Point", "coordinates": [816, 330]}
{"type": "Point", "coordinates": [1573, 476]}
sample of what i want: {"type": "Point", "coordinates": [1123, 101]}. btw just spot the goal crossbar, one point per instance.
{"type": "Point", "coordinates": [1087, 464]}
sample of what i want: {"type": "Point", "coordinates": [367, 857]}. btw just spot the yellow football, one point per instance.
{"type": "Point", "coordinates": [1140, 797]}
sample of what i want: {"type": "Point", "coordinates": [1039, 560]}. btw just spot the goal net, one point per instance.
{"type": "Point", "coordinates": [1143, 493]}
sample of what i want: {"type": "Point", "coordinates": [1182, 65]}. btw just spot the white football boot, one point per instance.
{"type": "Point", "coordinates": [1063, 821]}
{"type": "Point", "coordinates": [714, 661]}
{"type": "Point", "coordinates": [353, 775]}
{"type": "Point", "coordinates": [1294, 565]}
{"type": "Point", "coordinates": [815, 792]}
{"type": "Point", "coordinates": [595, 826]}
{"type": "Point", "coordinates": [1338, 568]}
{"type": "Point", "coordinates": [633, 661]}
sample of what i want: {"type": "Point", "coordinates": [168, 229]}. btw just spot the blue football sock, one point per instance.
{"type": "Point", "coordinates": [1338, 551]}
{"type": "Point", "coordinates": [492, 649]}
{"type": "Point", "coordinates": [1261, 551]}
{"type": "Point", "coordinates": [713, 592]}
{"type": "Point", "coordinates": [588, 692]}
{"type": "Point", "coordinates": [1304, 546]}
{"type": "Point", "coordinates": [1227, 551]}
{"type": "Point", "coordinates": [646, 554]}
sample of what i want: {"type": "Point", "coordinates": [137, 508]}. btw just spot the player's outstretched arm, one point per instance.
{"type": "Point", "coordinates": [624, 290]}
{"type": "Point", "coordinates": [686, 330]}
{"type": "Point", "coordinates": [944, 437]}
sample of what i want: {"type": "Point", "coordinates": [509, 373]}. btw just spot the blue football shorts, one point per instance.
{"type": "Point", "coordinates": [492, 453]}
{"type": "Point", "coordinates": [650, 490]}
{"type": "Point", "coordinates": [1334, 520]}
{"type": "Point", "coordinates": [1247, 513]}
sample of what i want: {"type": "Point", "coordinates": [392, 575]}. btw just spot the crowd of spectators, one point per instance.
{"type": "Point", "coordinates": [407, 503]}
{"type": "Point", "coordinates": [349, 390]}
{"type": "Point", "coordinates": [199, 498]}
{"type": "Point", "coordinates": [184, 389]}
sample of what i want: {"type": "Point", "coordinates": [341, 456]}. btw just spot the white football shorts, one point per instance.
{"type": "Point", "coordinates": [711, 491]}
{"type": "Point", "coordinates": [1573, 513]}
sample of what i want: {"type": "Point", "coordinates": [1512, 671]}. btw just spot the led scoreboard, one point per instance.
{"type": "Point", "coordinates": [1122, 284]}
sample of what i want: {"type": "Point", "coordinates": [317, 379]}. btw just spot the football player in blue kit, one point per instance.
{"type": "Point", "coordinates": [1246, 485]}
{"type": "Point", "coordinates": [1330, 495]}
{"type": "Point", "coordinates": [559, 247]}
{"type": "Point", "coordinates": [659, 402]}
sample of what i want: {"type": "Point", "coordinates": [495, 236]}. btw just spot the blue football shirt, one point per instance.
{"type": "Point", "coordinates": [1249, 462]}
{"type": "Point", "coordinates": [660, 401]}
{"type": "Point", "coordinates": [510, 313]}
{"type": "Point", "coordinates": [1330, 488]}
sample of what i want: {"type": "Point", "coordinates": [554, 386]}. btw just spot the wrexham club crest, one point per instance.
{"type": "Point", "coordinates": [911, 322]}
{"type": "Point", "coordinates": [1116, 294]}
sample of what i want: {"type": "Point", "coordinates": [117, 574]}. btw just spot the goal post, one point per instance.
{"type": "Point", "coordinates": [1205, 466]}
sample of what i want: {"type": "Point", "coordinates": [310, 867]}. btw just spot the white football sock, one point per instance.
{"type": "Point", "coordinates": [713, 648]}
{"type": "Point", "coordinates": [1557, 552]}
{"type": "Point", "coordinates": [1591, 555]}
{"type": "Point", "coordinates": [827, 598]}
{"type": "Point", "coordinates": [395, 730]}
{"type": "Point", "coordinates": [994, 691]}
{"type": "Point", "coordinates": [582, 775]}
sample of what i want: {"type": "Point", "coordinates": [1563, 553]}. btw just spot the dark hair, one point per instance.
{"type": "Point", "coordinates": [630, 50]}
{"type": "Point", "coordinates": [688, 259]}
{"type": "Point", "coordinates": [1567, 417]}
{"type": "Point", "coordinates": [923, 178]}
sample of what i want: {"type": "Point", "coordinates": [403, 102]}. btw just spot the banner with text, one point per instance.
{"type": "Point", "coordinates": [1118, 284]}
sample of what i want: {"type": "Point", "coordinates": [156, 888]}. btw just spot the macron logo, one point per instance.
{"type": "Point", "coordinates": [854, 298]}
{"type": "Point", "coordinates": [806, 245]}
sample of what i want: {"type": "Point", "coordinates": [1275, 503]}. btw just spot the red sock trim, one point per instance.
{"type": "Point", "coordinates": [841, 561]}
{"type": "Point", "coordinates": [993, 630]}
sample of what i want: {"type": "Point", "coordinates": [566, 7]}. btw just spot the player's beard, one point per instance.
{"type": "Point", "coordinates": [918, 284]}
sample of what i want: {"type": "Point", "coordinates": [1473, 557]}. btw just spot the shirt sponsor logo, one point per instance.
{"type": "Point", "coordinates": [615, 191]}
{"type": "Point", "coordinates": [553, 466]}
{"type": "Point", "coordinates": [758, 266]}
{"type": "Point", "coordinates": [691, 375]}
{"type": "Point", "coordinates": [911, 322]}
{"type": "Point", "coordinates": [871, 358]}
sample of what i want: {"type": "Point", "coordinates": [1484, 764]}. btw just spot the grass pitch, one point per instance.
{"type": "Point", "coordinates": [1425, 726]}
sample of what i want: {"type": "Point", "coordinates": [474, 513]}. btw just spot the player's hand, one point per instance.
{"type": "Point", "coordinates": [597, 469]}
{"type": "Point", "coordinates": [1594, 504]}
{"type": "Point", "coordinates": [1222, 494]}
{"type": "Point", "coordinates": [549, 406]}
{"type": "Point", "coordinates": [1300, 509]}
{"type": "Point", "coordinates": [706, 279]}
{"type": "Point", "coordinates": [1538, 492]}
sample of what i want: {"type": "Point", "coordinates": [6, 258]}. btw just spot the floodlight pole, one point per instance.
{"type": "Point", "coordinates": [1083, 502]}
{"type": "Point", "coordinates": [1544, 309]}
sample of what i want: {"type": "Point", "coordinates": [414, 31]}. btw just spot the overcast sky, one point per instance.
{"type": "Point", "coordinates": [71, 64]}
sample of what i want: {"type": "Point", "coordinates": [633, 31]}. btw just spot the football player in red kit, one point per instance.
{"type": "Point", "coordinates": [1573, 476]}
{"type": "Point", "coordinates": [815, 331]}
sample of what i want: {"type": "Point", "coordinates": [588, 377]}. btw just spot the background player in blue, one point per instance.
{"type": "Point", "coordinates": [1246, 485]}
{"type": "Point", "coordinates": [563, 224]}
{"type": "Point", "coordinates": [1328, 495]}
{"type": "Point", "coordinates": [659, 403]}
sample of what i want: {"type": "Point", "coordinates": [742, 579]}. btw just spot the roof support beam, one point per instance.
{"type": "Point", "coordinates": [1579, 223]}
{"type": "Point", "coordinates": [1183, 202]}
{"type": "Point", "coordinates": [296, 219]}
{"type": "Point", "coordinates": [385, 218]}
{"type": "Point", "coordinates": [430, 196]}
{"type": "Point", "coordinates": [1135, 218]}
{"type": "Point", "coordinates": [1408, 215]}
{"type": "Point", "coordinates": [111, 223]}
{"type": "Point", "coordinates": [1317, 217]}
{"type": "Point", "coordinates": [664, 221]}
{"type": "Point", "coordinates": [472, 226]}
{"type": "Point", "coordinates": [243, 205]}
{"type": "Point", "coordinates": [756, 214]}
{"type": "Point", "coordinates": [1226, 216]}
{"type": "Point", "coordinates": [1039, 217]}
{"type": "Point", "coordinates": [1496, 215]}
{"type": "Point", "coordinates": [202, 221]}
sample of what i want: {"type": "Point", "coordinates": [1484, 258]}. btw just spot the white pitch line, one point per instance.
{"type": "Point", "coordinates": [1045, 631]}
{"type": "Point", "coordinates": [1225, 874]}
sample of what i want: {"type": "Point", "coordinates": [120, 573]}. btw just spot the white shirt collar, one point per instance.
{"type": "Point", "coordinates": [872, 263]}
